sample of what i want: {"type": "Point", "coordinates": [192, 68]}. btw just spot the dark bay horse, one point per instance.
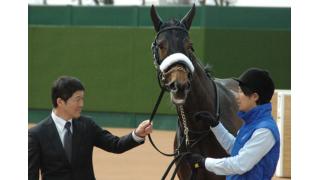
{"type": "Point", "coordinates": [192, 90]}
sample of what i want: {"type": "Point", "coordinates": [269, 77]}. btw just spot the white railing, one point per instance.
{"type": "Point", "coordinates": [283, 122]}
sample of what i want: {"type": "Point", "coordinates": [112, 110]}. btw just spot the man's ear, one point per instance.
{"type": "Point", "coordinates": [255, 97]}
{"type": "Point", "coordinates": [60, 102]}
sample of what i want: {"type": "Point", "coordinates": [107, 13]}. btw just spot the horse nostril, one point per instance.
{"type": "Point", "coordinates": [173, 86]}
{"type": "Point", "coordinates": [176, 86]}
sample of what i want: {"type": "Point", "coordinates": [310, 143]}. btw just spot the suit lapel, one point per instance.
{"type": "Point", "coordinates": [54, 138]}
{"type": "Point", "coordinates": [76, 125]}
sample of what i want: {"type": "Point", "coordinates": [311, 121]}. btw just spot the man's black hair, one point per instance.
{"type": "Point", "coordinates": [64, 87]}
{"type": "Point", "coordinates": [248, 92]}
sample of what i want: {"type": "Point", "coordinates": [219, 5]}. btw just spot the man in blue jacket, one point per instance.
{"type": "Point", "coordinates": [254, 152]}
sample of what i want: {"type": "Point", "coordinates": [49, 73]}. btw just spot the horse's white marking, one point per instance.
{"type": "Point", "coordinates": [174, 58]}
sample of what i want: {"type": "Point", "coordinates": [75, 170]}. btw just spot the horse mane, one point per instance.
{"type": "Point", "coordinates": [207, 67]}
{"type": "Point", "coordinates": [208, 70]}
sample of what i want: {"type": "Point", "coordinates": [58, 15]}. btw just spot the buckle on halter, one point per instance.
{"type": "Point", "coordinates": [196, 165]}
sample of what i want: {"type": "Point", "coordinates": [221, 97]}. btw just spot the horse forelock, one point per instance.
{"type": "Point", "coordinates": [171, 22]}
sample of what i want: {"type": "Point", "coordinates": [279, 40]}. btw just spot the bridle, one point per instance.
{"type": "Point", "coordinates": [155, 46]}
{"type": "Point", "coordinates": [179, 155]}
{"type": "Point", "coordinates": [157, 61]}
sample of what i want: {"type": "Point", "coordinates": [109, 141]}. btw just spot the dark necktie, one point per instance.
{"type": "Point", "coordinates": [67, 141]}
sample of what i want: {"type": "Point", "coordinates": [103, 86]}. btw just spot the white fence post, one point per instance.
{"type": "Point", "coordinates": [281, 117]}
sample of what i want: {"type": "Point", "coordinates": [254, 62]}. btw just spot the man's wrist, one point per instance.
{"type": "Point", "coordinates": [136, 137]}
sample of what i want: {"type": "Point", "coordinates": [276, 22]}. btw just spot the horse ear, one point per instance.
{"type": "Point", "coordinates": [187, 19]}
{"type": "Point", "coordinates": [155, 18]}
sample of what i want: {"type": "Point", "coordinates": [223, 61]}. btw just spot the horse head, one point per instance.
{"type": "Point", "coordinates": [172, 49]}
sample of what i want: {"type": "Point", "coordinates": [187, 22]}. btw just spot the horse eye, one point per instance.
{"type": "Point", "coordinates": [162, 46]}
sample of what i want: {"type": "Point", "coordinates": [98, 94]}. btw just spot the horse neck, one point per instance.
{"type": "Point", "coordinates": [201, 96]}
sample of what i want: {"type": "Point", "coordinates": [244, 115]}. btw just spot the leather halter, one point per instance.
{"type": "Point", "coordinates": [155, 46]}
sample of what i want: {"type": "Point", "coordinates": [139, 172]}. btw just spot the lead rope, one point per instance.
{"type": "Point", "coordinates": [151, 118]}
{"type": "Point", "coordinates": [185, 127]}
{"type": "Point", "coordinates": [186, 134]}
{"type": "Point", "coordinates": [179, 156]}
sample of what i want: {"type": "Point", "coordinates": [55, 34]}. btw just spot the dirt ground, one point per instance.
{"type": "Point", "coordinates": [141, 163]}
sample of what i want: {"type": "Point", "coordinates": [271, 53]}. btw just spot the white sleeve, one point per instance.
{"type": "Point", "coordinates": [249, 155]}
{"type": "Point", "coordinates": [137, 138]}
{"type": "Point", "coordinates": [224, 137]}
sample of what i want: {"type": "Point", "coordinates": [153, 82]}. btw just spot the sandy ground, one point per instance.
{"type": "Point", "coordinates": [140, 163]}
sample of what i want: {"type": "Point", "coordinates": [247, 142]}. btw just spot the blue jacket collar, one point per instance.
{"type": "Point", "coordinates": [255, 113]}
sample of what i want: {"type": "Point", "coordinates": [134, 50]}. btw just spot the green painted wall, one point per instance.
{"type": "Point", "coordinates": [108, 48]}
{"type": "Point", "coordinates": [206, 16]}
{"type": "Point", "coordinates": [115, 65]}
{"type": "Point", "coordinates": [231, 51]}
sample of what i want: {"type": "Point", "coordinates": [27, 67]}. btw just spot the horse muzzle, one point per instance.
{"type": "Point", "coordinates": [177, 70]}
{"type": "Point", "coordinates": [179, 92]}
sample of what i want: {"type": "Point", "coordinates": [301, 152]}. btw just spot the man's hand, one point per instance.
{"type": "Point", "coordinates": [196, 160]}
{"type": "Point", "coordinates": [144, 128]}
{"type": "Point", "coordinates": [206, 116]}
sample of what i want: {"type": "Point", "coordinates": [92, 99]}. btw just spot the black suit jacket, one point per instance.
{"type": "Point", "coordinates": [45, 150]}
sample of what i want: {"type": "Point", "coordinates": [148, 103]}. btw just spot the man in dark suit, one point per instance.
{"type": "Point", "coordinates": [61, 145]}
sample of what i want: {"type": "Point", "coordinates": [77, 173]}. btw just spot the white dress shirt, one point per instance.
{"type": "Point", "coordinates": [60, 123]}
{"type": "Point", "coordinates": [249, 155]}
{"type": "Point", "coordinates": [136, 137]}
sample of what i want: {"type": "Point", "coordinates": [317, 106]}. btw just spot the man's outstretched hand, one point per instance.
{"type": "Point", "coordinates": [144, 128]}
